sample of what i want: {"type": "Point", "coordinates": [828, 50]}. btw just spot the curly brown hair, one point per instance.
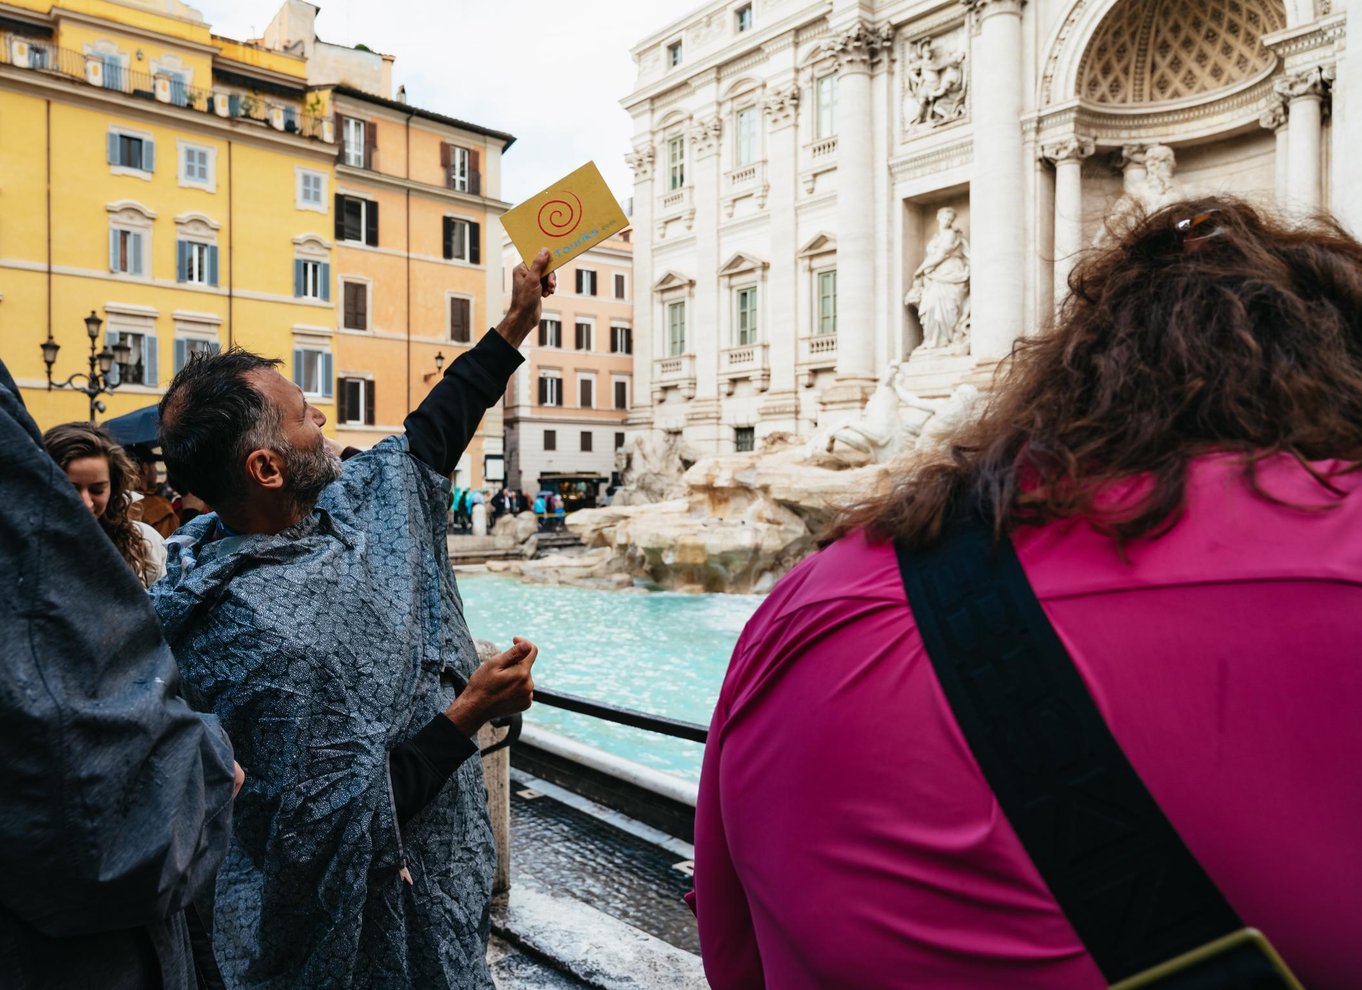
{"type": "Point", "coordinates": [1242, 334]}
{"type": "Point", "coordinates": [73, 441]}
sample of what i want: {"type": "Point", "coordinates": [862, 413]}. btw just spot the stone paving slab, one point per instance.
{"type": "Point", "coordinates": [514, 969]}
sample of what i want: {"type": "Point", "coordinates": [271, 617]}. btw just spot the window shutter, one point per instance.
{"type": "Point", "coordinates": [135, 251]}
{"type": "Point", "coordinates": [586, 397]}
{"type": "Point", "coordinates": [149, 156]}
{"type": "Point", "coordinates": [234, 105]}
{"type": "Point", "coordinates": [342, 401]}
{"type": "Point", "coordinates": [298, 366]}
{"type": "Point", "coordinates": [449, 234]}
{"type": "Point", "coordinates": [369, 403]}
{"type": "Point", "coordinates": [113, 149]}
{"type": "Point", "coordinates": [543, 391]}
{"type": "Point", "coordinates": [181, 354]}
{"type": "Point", "coordinates": [340, 217]}
{"type": "Point", "coordinates": [340, 136]}
{"type": "Point", "coordinates": [460, 318]}
{"type": "Point", "coordinates": [213, 264]}
{"type": "Point", "coordinates": [474, 172]}
{"type": "Point", "coordinates": [475, 243]}
{"type": "Point", "coordinates": [543, 333]}
{"type": "Point", "coordinates": [181, 261]}
{"type": "Point", "coordinates": [326, 281]}
{"type": "Point", "coordinates": [151, 361]}
{"type": "Point", "coordinates": [328, 383]}
{"type": "Point", "coordinates": [110, 339]}
{"type": "Point", "coordinates": [113, 250]}
{"type": "Point", "coordinates": [298, 279]}
{"type": "Point", "coordinates": [370, 142]}
{"type": "Point", "coordinates": [445, 154]}
{"type": "Point", "coordinates": [371, 225]}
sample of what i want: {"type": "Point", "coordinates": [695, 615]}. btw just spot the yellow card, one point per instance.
{"type": "Point", "coordinates": [573, 215]}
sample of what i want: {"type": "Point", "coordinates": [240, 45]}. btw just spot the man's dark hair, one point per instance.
{"type": "Point", "coordinates": [211, 418]}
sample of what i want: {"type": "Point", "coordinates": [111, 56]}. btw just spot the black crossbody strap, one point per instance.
{"type": "Point", "coordinates": [1133, 892]}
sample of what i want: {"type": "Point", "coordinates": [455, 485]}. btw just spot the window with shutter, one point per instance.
{"type": "Point", "coordinates": [586, 442]}
{"type": "Point", "coordinates": [550, 439]}
{"type": "Point", "coordinates": [586, 398]}
{"type": "Point", "coordinates": [370, 223]}
{"type": "Point", "coordinates": [355, 305]}
{"type": "Point", "coordinates": [619, 286]}
{"type": "Point", "coordinates": [583, 336]}
{"type": "Point", "coordinates": [550, 333]}
{"type": "Point", "coordinates": [621, 395]}
{"type": "Point", "coordinates": [460, 320]}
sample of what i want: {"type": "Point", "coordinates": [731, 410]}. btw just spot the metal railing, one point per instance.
{"type": "Point", "coordinates": [659, 724]}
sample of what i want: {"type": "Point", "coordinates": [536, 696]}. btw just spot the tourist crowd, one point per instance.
{"type": "Point", "coordinates": [1070, 701]}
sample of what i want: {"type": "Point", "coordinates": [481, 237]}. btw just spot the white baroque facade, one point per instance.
{"type": "Point", "coordinates": [825, 187]}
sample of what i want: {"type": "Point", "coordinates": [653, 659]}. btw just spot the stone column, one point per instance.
{"type": "Point", "coordinates": [642, 161]}
{"type": "Point", "coordinates": [780, 314]}
{"type": "Point", "coordinates": [997, 192]}
{"type": "Point", "coordinates": [856, 50]}
{"type": "Point", "coordinates": [1304, 95]}
{"type": "Point", "coordinates": [1067, 156]}
{"type": "Point", "coordinates": [1274, 120]}
{"type": "Point", "coordinates": [702, 316]}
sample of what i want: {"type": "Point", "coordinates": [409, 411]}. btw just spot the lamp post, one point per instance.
{"type": "Point", "coordinates": [98, 381]}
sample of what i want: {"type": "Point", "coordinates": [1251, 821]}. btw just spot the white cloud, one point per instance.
{"type": "Point", "coordinates": [551, 73]}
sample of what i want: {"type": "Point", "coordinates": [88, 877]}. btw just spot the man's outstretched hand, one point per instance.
{"type": "Point", "coordinates": [500, 686]}
{"type": "Point", "coordinates": [529, 288]}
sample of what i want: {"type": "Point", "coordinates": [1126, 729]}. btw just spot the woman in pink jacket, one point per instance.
{"type": "Point", "coordinates": [1175, 463]}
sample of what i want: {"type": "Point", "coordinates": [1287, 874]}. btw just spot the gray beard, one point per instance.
{"type": "Point", "coordinates": [308, 473]}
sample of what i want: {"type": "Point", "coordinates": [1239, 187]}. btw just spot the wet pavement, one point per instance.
{"type": "Point", "coordinates": [515, 969]}
{"type": "Point", "coordinates": [573, 854]}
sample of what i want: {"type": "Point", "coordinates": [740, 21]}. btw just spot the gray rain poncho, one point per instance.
{"type": "Point", "coordinates": [321, 649]}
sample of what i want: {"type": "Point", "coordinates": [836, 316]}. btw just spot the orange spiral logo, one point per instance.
{"type": "Point", "coordinates": [559, 218]}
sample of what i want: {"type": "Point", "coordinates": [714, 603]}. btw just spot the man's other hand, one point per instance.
{"type": "Point", "coordinates": [501, 686]}
{"type": "Point", "coordinates": [529, 288]}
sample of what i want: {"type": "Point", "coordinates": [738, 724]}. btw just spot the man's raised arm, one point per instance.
{"type": "Point", "coordinates": [441, 427]}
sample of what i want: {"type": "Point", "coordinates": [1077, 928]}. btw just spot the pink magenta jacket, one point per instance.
{"type": "Point", "coordinates": [846, 839]}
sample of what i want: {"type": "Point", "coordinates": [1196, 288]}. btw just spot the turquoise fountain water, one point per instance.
{"type": "Point", "coordinates": [656, 652]}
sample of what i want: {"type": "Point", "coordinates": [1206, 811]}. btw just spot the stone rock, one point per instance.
{"type": "Point", "coordinates": [526, 526]}
{"type": "Point", "coordinates": [505, 526]}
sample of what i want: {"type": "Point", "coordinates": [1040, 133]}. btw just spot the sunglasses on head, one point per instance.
{"type": "Point", "coordinates": [1199, 228]}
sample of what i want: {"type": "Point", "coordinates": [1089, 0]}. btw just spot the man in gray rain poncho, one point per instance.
{"type": "Point", "coordinates": [314, 612]}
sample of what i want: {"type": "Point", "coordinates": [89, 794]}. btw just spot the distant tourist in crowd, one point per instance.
{"type": "Point", "coordinates": [541, 510]}
{"type": "Point", "coordinates": [499, 505]}
{"type": "Point", "coordinates": [115, 798]}
{"type": "Point", "coordinates": [189, 507]}
{"type": "Point", "coordinates": [461, 510]}
{"type": "Point", "coordinates": [1176, 464]}
{"type": "Point", "coordinates": [316, 613]}
{"type": "Point", "coordinates": [103, 477]}
{"type": "Point", "coordinates": [152, 502]}
{"type": "Point", "coordinates": [558, 509]}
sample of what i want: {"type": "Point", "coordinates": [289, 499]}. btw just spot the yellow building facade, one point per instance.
{"type": "Point", "coordinates": [174, 183]}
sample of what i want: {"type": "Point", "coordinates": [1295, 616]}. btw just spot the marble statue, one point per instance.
{"type": "Point", "coordinates": [1144, 194]}
{"type": "Point", "coordinates": [945, 416]}
{"type": "Point", "coordinates": [940, 290]}
{"type": "Point", "coordinates": [650, 466]}
{"type": "Point", "coordinates": [935, 87]}
{"type": "Point", "coordinates": [878, 433]}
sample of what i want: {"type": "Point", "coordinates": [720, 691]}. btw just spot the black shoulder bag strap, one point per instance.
{"type": "Point", "coordinates": [1143, 906]}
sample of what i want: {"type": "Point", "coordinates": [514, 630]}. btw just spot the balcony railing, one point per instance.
{"type": "Point", "coordinates": [817, 352]}
{"type": "Point", "coordinates": [745, 361]}
{"type": "Point", "coordinates": [823, 148]}
{"type": "Point", "coordinates": [40, 55]}
{"type": "Point", "coordinates": [470, 182]}
{"type": "Point", "coordinates": [677, 200]}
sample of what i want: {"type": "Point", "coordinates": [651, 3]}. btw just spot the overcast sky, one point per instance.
{"type": "Point", "coordinates": [551, 73]}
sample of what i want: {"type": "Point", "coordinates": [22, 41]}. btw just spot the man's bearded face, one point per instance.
{"type": "Point", "coordinates": [307, 472]}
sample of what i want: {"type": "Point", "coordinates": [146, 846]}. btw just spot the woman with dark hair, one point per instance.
{"type": "Point", "coordinates": [103, 476]}
{"type": "Point", "coordinates": [1176, 465]}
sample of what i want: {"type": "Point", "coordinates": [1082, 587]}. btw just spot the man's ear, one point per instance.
{"type": "Point", "coordinates": [265, 468]}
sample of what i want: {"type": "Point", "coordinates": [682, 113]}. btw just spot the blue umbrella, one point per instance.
{"type": "Point", "coordinates": [140, 427]}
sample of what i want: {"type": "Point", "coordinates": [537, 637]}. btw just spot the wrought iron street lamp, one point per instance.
{"type": "Point", "coordinates": [99, 380]}
{"type": "Point", "coordinates": [439, 366]}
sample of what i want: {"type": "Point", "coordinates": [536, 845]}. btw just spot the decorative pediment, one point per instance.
{"type": "Point", "coordinates": [130, 210]}
{"type": "Point", "coordinates": [672, 280]}
{"type": "Point", "coordinates": [822, 244]}
{"type": "Point", "coordinates": [198, 221]}
{"type": "Point", "coordinates": [742, 263]}
{"type": "Point", "coordinates": [313, 244]}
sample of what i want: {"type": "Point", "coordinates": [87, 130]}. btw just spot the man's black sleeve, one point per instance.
{"type": "Point", "coordinates": [422, 765]}
{"type": "Point", "coordinates": [441, 427]}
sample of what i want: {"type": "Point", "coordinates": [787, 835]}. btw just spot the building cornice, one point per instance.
{"type": "Point", "coordinates": [118, 27]}
{"type": "Point", "coordinates": [494, 207]}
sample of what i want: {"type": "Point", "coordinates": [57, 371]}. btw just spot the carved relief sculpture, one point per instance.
{"type": "Point", "coordinates": [934, 90]}
{"type": "Point", "coordinates": [940, 290]}
{"type": "Point", "coordinates": [704, 136]}
{"type": "Point", "coordinates": [1142, 197]}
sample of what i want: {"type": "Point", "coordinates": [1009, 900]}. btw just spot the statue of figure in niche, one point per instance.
{"type": "Point", "coordinates": [935, 91]}
{"type": "Point", "coordinates": [940, 290]}
{"type": "Point", "coordinates": [1142, 197]}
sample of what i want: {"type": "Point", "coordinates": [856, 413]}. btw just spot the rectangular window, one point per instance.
{"type": "Point", "coordinates": [195, 165]}
{"type": "Point", "coordinates": [355, 401]}
{"type": "Point", "coordinates": [586, 282]}
{"type": "Point", "coordinates": [355, 135]}
{"type": "Point", "coordinates": [311, 192]}
{"type": "Point", "coordinates": [136, 371]}
{"type": "Point", "coordinates": [550, 439]}
{"type": "Point", "coordinates": [621, 340]}
{"type": "Point", "coordinates": [745, 439]}
{"type": "Point", "coordinates": [461, 169]}
{"type": "Point", "coordinates": [619, 440]}
{"type": "Point", "coordinates": [550, 390]}
{"type": "Point", "coordinates": [676, 329]}
{"type": "Point", "coordinates": [462, 240]}
{"type": "Point", "coordinates": [113, 73]}
{"type": "Point", "coordinates": [746, 317]}
{"type": "Point", "coordinates": [676, 163]}
{"type": "Point", "coordinates": [621, 394]}
{"type": "Point", "coordinates": [586, 442]}
{"type": "Point", "coordinates": [586, 393]}
{"type": "Point", "coordinates": [674, 54]}
{"type": "Point", "coordinates": [311, 279]}
{"type": "Point", "coordinates": [354, 305]}
{"type": "Point", "coordinates": [188, 347]}
{"type": "Point", "coordinates": [583, 340]}
{"type": "Point", "coordinates": [825, 123]}
{"type": "Point", "coordinates": [619, 286]}
{"type": "Point", "coordinates": [550, 333]}
{"type": "Point", "coordinates": [460, 320]}
{"type": "Point", "coordinates": [127, 251]}
{"type": "Point", "coordinates": [131, 151]}
{"type": "Point", "coordinates": [196, 263]}
{"type": "Point", "coordinates": [312, 371]}
{"type": "Point", "coordinates": [827, 302]}
{"type": "Point", "coordinates": [743, 17]}
{"type": "Point", "coordinates": [745, 137]}
{"type": "Point", "coordinates": [356, 220]}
